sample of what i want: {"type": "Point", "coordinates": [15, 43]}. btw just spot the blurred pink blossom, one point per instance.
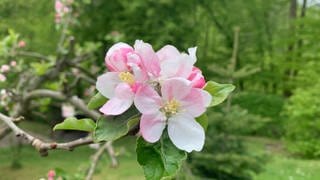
{"type": "Point", "coordinates": [2, 78]}
{"type": "Point", "coordinates": [13, 63]}
{"type": "Point", "coordinates": [21, 44]}
{"type": "Point", "coordinates": [5, 68]}
{"type": "Point", "coordinates": [58, 6]}
{"type": "Point", "coordinates": [67, 110]}
{"type": "Point", "coordinates": [51, 175]}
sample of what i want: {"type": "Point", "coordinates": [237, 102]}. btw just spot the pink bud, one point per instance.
{"type": "Point", "coordinates": [2, 78]}
{"type": "Point", "coordinates": [5, 68]}
{"type": "Point", "coordinates": [196, 78]}
{"type": "Point", "coordinates": [21, 44]}
{"type": "Point", "coordinates": [13, 63]}
{"type": "Point", "coordinates": [51, 175]}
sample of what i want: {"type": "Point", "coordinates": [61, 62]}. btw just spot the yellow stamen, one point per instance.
{"type": "Point", "coordinates": [126, 77]}
{"type": "Point", "coordinates": [171, 107]}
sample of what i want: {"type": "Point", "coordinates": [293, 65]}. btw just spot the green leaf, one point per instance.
{"type": "Point", "coordinates": [113, 127]}
{"type": "Point", "coordinates": [73, 123]}
{"type": "Point", "coordinates": [40, 68]}
{"type": "Point", "coordinates": [203, 121]}
{"type": "Point", "coordinates": [219, 92]}
{"type": "Point", "coordinates": [97, 101]}
{"type": "Point", "coordinates": [159, 160]}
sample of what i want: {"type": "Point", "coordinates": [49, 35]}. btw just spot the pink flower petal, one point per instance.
{"type": "Point", "coordinates": [180, 66]}
{"type": "Point", "coordinates": [168, 52]}
{"type": "Point", "coordinates": [194, 103]}
{"type": "Point", "coordinates": [107, 83]}
{"type": "Point", "coordinates": [150, 61]}
{"type": "Point", "coordinates": [121, 102]}
{"type": "Point", "coordinates": [152, 125]}
{"type": "Point", "coordinates": [2, 78]}
{"type": "Point", "coordinates": [185, 133]}
{"type": "Point", "coordinates": [116, 57]}
{"type": "Point", "coordinates": [176, 88]}
{"type": "Point", "coordinates": [196, 78]}
{"type": "Point", "coordinates": [147, 100]}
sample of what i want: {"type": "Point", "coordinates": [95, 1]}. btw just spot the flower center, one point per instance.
{"type": "Point", "coordinates": [171, 107]}
{"type": "Point", "coordinates": [126, 77]}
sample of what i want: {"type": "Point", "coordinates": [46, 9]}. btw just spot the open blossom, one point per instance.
{"type": "Point", "coordinates": [129, 68]}
{"type": "Point", "coordinates": [5, 68]}
{"type": "Point", "coordinates": [177, 107]}
{"type": "Point", "coordinates": [164, 86]}
{"type": "Point", "coordinates": [176, 64]}
{"type": "Point", "coordinates": [2, 78]}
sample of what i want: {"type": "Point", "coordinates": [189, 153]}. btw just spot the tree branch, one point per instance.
{"type": "Point", "coordinates": [43, 147]}
{"type": "Point", "coordinates": [33, 55]}
{"type": "Point", "coordinates": [74, 100]}
{"type": "Point", "coordinates": [97, 156]}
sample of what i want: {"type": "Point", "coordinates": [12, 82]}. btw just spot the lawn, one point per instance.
{"type": "Point", "coordinates": [76, 162]}
{"type": "Point", "coordinates": [278, 166]}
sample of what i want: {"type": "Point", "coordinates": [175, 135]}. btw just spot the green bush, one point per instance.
{"type": "Point", "coordinates": [303, 124]}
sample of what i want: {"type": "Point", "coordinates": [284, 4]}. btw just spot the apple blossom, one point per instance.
{"type": "Point", "coordinates": [21, 44]}
{"type": "Point", "coordinates": [2, 78]}
{"type": "Point", "coordinates": [5, 68]}
{"type": "Point", "coordinates": [58, 6]}
{"type": "Point", "coordinates": [197, 78]}
{"type": "Point", "coordinates": [176, 64]}
{"type": "Point", "coordinates": [51, 175]}
{"type": "Point", "coordinates": [177, 107]}
{"type": "Point", "coordinates": [13, 63]}
{"type": "Point", "coordinates": [67, 110]}
{"type": "Point", "coordinates": [130, 67]}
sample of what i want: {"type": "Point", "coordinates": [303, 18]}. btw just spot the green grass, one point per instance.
{"type": "Point", "coordinates": [279, 164]}
{"type": "Point", "coordinates": [35, 167]}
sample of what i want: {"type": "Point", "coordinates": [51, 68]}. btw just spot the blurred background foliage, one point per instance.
{"type": "Point", "coordinates": [274, 64]}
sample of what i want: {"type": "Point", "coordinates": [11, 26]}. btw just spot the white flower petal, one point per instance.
{"type": "Point", "coordinates": [168, 52]}
{"type": "Point", "coordinates": [121, 102]}
{"type": "Point", "coordinates": [176, 88]}
{"type": "Point", "coordinates": [192, 53]}
{"type": "Point", "coordinates": [107, 83]}
{"type": "Point", "coordinates": [185, 133]}
{"type": "Point", "coordinates": [152, 125]}
{"type": "Point", "coordinates": [147, 100]}
{"type": "Point", "coordinates": [181, 66]}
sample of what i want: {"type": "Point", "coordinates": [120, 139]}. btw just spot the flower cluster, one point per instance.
{"type": "Point", "coordinates": [5, 68]}
{"type": "Point", "coordinates": [61, 8]}
{"type": "Point", "coordinates": [164, 86]}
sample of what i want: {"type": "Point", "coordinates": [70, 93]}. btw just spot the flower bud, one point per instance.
{"type": "Point", "coordinates": [196, 78]}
